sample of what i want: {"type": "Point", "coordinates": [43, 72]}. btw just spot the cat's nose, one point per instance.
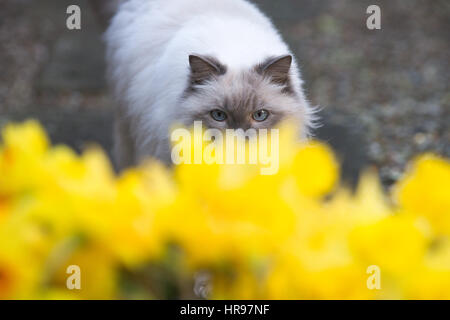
{"type": "Point", "coordinates": [244, 128]}
{"type": "Point", "coordinates": [240, 125]}
{"type": "Point", "coordinates": [245, 131]}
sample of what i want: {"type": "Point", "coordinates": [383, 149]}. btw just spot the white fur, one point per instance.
{"type": "Point", "coordinates": [148, 44]}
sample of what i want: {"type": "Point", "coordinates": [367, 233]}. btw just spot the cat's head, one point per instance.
{"type": "Point", "coordinates": [259, 97]}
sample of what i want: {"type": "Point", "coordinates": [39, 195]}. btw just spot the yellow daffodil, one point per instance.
{"type": "Point", "coordinates": [292, 234]}
{"type": "Point", "coordinates": [315, 169]}
{"type": "Point", "coordinates": [425, 191]}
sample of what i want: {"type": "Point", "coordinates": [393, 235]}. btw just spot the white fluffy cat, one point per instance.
{"type": "Point", "coordinates": [176, 61]}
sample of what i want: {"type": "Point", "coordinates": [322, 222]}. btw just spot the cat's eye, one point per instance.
{"type": "Point", "coordinates": [260, 115]}
{"type": "Point", "coordinates": [218, 115]}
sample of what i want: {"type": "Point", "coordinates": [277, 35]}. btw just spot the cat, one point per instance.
{"type": "Point", "coordinates": [221, 62]}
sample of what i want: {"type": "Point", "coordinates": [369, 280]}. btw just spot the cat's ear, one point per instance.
{"type": "Point", "coordinates": [203, 68]}
{"type": "Point", "coordinates": [277, 69]}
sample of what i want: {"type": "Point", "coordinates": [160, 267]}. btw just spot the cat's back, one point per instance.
{"type": "Point", "coordinates": [145, 32]}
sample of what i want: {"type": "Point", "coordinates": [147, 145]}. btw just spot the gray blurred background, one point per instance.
{"type": "Point", "coordinates": [384, 93]}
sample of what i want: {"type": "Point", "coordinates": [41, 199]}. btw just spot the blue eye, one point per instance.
{"type": "Point", "coordinates": [218, 115]}
{"type": "Point", "coordinates": [260, 115]}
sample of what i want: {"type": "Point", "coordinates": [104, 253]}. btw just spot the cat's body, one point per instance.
{"type": "Point", "coordinates": [176, 61]}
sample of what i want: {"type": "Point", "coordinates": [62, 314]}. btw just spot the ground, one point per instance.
{"type": "Point", "coordinates": [384, 94]}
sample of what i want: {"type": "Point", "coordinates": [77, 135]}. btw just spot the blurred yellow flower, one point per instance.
{"type": "Point", "coordinates": [296, 234]}
{"type": "Point", "coordinates": [315, 169]}
{"type": "Point", "coordinates": [425, 191]}
{"type": "Point", "coordinates": [20, 269]}
{"type": "Point", "coordinates": [21, 156]}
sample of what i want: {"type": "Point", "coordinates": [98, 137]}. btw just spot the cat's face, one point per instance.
{"type": "Point", "coordinates": [257, 98]}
